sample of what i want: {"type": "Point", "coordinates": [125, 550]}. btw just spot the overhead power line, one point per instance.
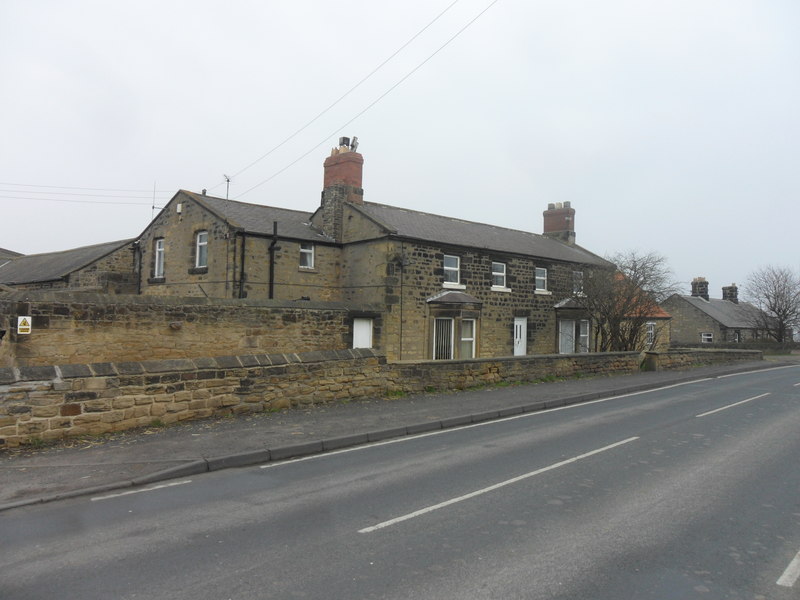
{"type": "Point", "coordinates": [75, 201]}
{"type": "Point", "coordinates": [340, 98]}
{"type": "Point", "coordinates": [91, 189]}
{"type": "Point", "coordinates": [374, 102]}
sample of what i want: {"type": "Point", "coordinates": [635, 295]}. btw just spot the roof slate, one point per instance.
{"type": "Point", "coordinates": [6, 254]}
{"type": "Point", "coordinates": [448, 230]}
{"type": "Point", "coordinates": [725, 312]}
{"type": "Point", "coordinates": [51, 266]}
{"type": "Point", "coordinates": [258, 219]}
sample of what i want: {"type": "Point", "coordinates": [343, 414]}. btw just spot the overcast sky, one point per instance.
{"type": "Point", "coordinates": [671, 126]}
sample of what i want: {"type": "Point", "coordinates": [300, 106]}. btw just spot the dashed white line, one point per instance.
{"type": "Point", "coordinates": [491, 488]}
{"type": "Point", "coordinates": [791, 574]}
{"type": "Point", "coordinates": [149, 489]}
{"type": "Point", "coordinates": [716, 410]}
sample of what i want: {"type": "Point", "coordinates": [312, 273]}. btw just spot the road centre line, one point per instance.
{"type": "Point", "coordinates": [491, 488]}
{"type": "Point", "coordinates": [716, 410]}
{"type": "Point", "coordinates": [415, 436]}
{"type": "Point", "coordinates": [792, 572]}
{"type": "Point", "coordinates": [757, 371]}
{"type": "Point", "coordinates": [149, 489]}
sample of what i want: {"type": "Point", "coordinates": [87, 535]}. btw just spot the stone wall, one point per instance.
{"type": "Point", "coordinates": [687, 358]}
{"type": "Point", "coordinates": [53, 402]}
{"type": "Point", "coordinates": [79, 328]}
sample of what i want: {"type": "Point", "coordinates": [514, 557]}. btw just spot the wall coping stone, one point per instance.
{"type": "Point", "coordinates": [278, 359]}
{"type": "Point", "coordinates": [249, 360]}
{"type": "Point", "coordinates": [205, 362]}
{"type": "Point", "coordinates": [168, 365]}
{"type": "Point", "coordinates": [73, 371]}
{"type": "Point", "coordinates": [228, 362]}
{"type": "Point", "coordinates": [37, 373]}
{"type": "Point", "coordinates": [105, 369]}
{"type": "Point", "coordinates": [7, 375]}
{"type": "Point", "coordinates": [129, 368]}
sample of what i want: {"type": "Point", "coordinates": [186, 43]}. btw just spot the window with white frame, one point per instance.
{"type": "Point", "coordinates": [467, 348]}
{"type": "Point", "coordinates": [306, 255]}
{"type": "Point", "coordinates": [499, 275]}
{"type": "Point", "coordinates": [541, 279]}
{"type": "Point", "coordinates": [201, 250]}
{"type": "Point", "coordinates": [650, 335]}
{"type": "Point", "coordinates": [577, 283]}
{"type": "Point", "coordinates": [452, 270]}
{"type": "Point", "coordinates": [707, 338]}
{"type": "Point", "coordinates": [158, 258]}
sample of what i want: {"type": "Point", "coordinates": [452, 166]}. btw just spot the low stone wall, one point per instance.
{"type": "Point", "coordinates": [686, 358]}
{"type": "Point", "coordinates": [53, 402]}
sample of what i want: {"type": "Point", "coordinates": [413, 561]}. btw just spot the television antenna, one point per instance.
{"type": "Point", "coordinates": [227, 185]}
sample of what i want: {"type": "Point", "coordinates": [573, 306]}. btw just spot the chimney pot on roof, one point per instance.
{"type": "Point", "coordinates": [559, 222]}
{"type": "Point", "coordinates": [700, 288]}
{"type": "Point", "coordinates": [731, 293]}
{"type": "Point", "coordinates": [204, 192]}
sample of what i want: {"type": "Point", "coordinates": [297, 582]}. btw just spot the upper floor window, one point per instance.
{"type": "Point", "coordinates": [650, 337]}
{"type": "Point", "coordinates": [158, 258]}
{"type": "Point", "coordinates": [452, 269]}
{"type": "Point", "coordinates": [577, 282]}
{"type": "Point", "coordinates": [201, 250]}
{"type": "Point", "coordinates": [306, 255]}
{"type": "Point", "coordinates": [707, 338]}
{"type": "Point", "coordinates": [541, 279]}
{"type": "Point", "coordinates": [498, 275]}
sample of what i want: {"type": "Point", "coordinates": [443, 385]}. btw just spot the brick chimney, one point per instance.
{"type": "Point", "coordinates": [559, 222]}
{"type": "Point", "coordinates": [700, 287]}
{"type": "Point", "coordinates": [342, 183]}
{"type": "Point", "coordinates": [731, 293]}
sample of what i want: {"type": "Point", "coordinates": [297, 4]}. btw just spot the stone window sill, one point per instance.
{"type": "Point", "coordinates": [198, 270]}
{"type": "Point", "coordinates": [453, 286]}
{"type": "Point", "coordinates": [157, 280]}
{"type": "Point", "coordinates": [543, 292]}
{"type": "Point", "coordinates": [307, 269]}
{"type": "Point", "coordinates": [500, 288]}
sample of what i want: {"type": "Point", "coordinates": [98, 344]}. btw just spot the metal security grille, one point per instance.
{"type": "Point", "coordinates": [443, 339]}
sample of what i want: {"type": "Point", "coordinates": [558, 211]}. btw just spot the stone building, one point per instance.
{"type": "Point", "coordinates": [106, 268]}
{"type": "Point", "coordinates": [440, 287]}
{"type": "Point", "coordinates": [697, 318]}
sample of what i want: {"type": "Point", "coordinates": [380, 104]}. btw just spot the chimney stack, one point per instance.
{"type": "Point", "coordinates": [341, 183]}
{"type": "Point", "coordinates": [731, 293]}
{"type": "Point", "coordinates": [700, 288]}
{"type": "Point", "coordinates": [559, 222]}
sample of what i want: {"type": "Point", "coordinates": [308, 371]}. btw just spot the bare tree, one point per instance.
{"type": "Point", "coordinates": [775, 292]}
{"type": "Point", "coordinates": [622, 299]}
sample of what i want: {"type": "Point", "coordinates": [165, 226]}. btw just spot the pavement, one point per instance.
{"type": "Point", "coordinates": [96, 465]}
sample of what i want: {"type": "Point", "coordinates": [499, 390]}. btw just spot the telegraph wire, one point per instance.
{"type": "Point", "coordinates": [75, 201]}
{"type": "Point", "coordinates": [75, 194]}
{"type": "Point", "coordinates": [374, 102]}
{"type": "Point", "coordinates": [91, 189]}
{"type": "Point", "coordinates": [340, 98]}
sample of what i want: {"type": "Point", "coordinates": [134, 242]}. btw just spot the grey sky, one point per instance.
{"type": "Point", "coordinates": [670, 126]}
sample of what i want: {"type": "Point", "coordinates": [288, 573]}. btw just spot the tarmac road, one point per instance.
{"type": "Point", "coordinates": [144, 456]}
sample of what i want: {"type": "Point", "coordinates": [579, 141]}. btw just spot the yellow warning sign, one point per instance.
{"type": "Point", "coordinates": [23, 325]}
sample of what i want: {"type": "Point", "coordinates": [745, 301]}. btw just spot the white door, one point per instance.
{"type": "Point", "coordinates": [520, 336]}
{"type": "Point", "coordinates": [362, 333]}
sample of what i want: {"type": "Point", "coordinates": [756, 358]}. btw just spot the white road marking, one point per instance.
{"type": "Point", "coordinates": [757, 371]}
{"type": "Point", "coordinates": [149, 489]}
{"type": "Point", "coordinates": [527, 415]}
{"type": "Point", "coordinates": [716, 410]}
{"type": "Point", "coordinates": [796, 384]}
{"type": "Point", "coordinates": [491, 488]}
{"type": "Point", "coordinates": [792, 572]}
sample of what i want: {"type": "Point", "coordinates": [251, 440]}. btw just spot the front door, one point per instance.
{"type": "Point", "coordinates": [520, 336]}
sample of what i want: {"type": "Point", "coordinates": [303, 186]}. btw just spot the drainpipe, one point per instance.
{"type": "Point", "coordinates": [242, 274]}
{"type": "Point", "coordinates": [272, 249]}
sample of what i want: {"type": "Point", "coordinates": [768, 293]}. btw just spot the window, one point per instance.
{"type": "Point", "coordinates": [306, 255]}
{"type": "Point", "coordinates": [541, 280]}
{"type": "Point", "coordinates": [452, 270]}
{"type": "Point", "coordinates": [737, 336]}
{"type": "Point", "coordinates": [443, 339]}
{"type": "Point", "coordinates": [577, 283]}
{"type": "Point", "coordinates": [583, 336]}
{"type": "Point", "coordinates": [201, 250]}
{"type": "Point", "coordinates": [707, 338]}
{"type": "Point", "coordinates": [650, 335]}
{"type": "Point", "coordinates": [158, 259]}
{"type": "Point", "coordinates": [467, 349]}
{"type": "Point", "coordinates": [499, 275]}
{"type": "Point", "coordinates": [573, 336]}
